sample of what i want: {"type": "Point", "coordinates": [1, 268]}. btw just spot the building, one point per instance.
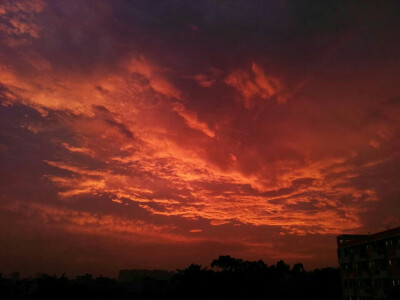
{"type": "Point", "coordinates": [370, 265]}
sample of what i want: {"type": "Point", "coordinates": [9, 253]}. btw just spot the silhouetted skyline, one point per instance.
{"type": "Point", "coordinates": [225, 277]}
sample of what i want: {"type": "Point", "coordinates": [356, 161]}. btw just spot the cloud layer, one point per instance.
{"type": "Point", "coordinates": [164, 134]}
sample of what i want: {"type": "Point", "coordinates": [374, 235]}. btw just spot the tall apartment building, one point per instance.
{"type": "Point", "coordinates": [370, 264]}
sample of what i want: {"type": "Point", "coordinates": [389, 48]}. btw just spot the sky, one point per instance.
{"type": "Point", "coordinates": [155, 134]}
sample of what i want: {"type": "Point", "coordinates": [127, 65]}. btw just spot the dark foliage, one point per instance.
{"type": "Point", "coordinates": [237, 279]}
{"type": "Point", "coordinates": [228, 278]}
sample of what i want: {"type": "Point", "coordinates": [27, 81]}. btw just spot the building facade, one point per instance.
{"type": "Point", "coordinates": [370, 265]}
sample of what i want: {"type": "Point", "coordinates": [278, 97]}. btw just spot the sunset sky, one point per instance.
{"type": "Point", "coordinates": [153, 134]}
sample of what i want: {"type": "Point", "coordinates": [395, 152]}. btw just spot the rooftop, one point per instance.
{"type": "Point", "coordinates": [346, 240]}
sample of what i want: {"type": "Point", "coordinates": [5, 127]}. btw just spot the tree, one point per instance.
{"type": "Point", "coordinates": [282, 267]}
{"type": "Point", "coordinates": [226, 263]}
{"type": "Point", "coordinates": [298, 268]}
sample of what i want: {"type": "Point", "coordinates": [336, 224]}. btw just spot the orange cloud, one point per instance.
{"type": "Point", "coordinates": [255, 85]}
{"type": "Point", "coordinates": [104, 225]}
{"type": "Point", "coordinates": [100, 124]}
{"type": "Point", "coordinates": [192, 121]}
{"type": "Point", "coordinates": [154, 75]}
{"type": "Point", "coordinates": [204, 80]}
{"type": "Point", "coordinates": [183, 171]}
{"type": "Point", "coordinates": [18, 15]}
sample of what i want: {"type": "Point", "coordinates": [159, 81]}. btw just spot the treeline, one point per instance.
{"type": "Point", "coordinates": [231, 278]}
{"type": "Point", "coordinates": [225, 278]}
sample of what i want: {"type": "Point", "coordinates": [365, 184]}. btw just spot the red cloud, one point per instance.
{"type": "Point", "coordinates": [117, 129]}
{"type": "Point", "coordinates": [255, 85]}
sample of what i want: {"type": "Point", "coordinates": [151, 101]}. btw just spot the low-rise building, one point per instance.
{"type": "Point", "coordinates": [369, 264]}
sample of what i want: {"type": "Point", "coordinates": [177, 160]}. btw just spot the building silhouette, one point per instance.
{"type": "Point", "coordinates": [370, 264]}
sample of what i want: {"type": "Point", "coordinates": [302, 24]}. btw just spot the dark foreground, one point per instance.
{"type": "Point", "coordinates": [228, 278]}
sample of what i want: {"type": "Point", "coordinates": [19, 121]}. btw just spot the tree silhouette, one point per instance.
{"type": "Point", "coordinates": [298, 268]}
{"type": "Point", "coordinates": [229, 278]}
{"type": "Point", "coordinates": [226, 263]}
{"type": "Point", "coordinates": [282, 267]}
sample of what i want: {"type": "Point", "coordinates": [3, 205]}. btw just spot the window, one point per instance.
{"type": "Point", "coordinates": [346, 252]}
